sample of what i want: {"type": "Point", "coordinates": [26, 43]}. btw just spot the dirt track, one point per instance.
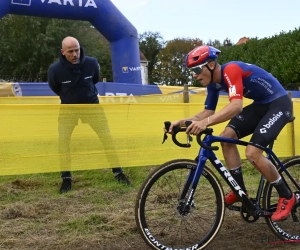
{"type": "Point", "coordinates": [33, 218]}
{"type": "Point", "coordinates": [234, 234]}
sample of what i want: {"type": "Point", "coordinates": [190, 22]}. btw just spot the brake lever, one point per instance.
{"type": "Point", "coordinates": [164, 138]}
{"type": "Point", "coordinates": [189, 137]}
{"type": "Point", "coordinates": [167, 127]}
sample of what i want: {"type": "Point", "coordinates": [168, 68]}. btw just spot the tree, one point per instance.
{"type": "Point", "coordinates": [28, 45]}
{"type": "Point", "coordinates": [215, 43]}
{"type": "Point", "coordinates": [227, 43]}
{"type": "Point", "coordinates": [22, 49]}
{"type": "Point", "coordinates": [170, 68]}
{"type": "Point", "coordinates": [279, 55]}
{"type": "Point", "coordinates": [151, 43]}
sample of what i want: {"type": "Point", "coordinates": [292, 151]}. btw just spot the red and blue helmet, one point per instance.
{"type": "Point", "coordinates": [200, 55]}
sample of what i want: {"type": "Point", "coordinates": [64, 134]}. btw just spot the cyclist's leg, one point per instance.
{"type": "Point", "coordinates": [277, 116]}
{"type": "Point", "coordinates": [230, 151]}
{"type": "Point", "coordinates": [289, 229]}
{"type": "Point", "coordinates": [239, 127]}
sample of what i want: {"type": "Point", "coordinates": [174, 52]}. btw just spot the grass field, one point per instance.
{"type": "Point", "coordinates": [98, 214]}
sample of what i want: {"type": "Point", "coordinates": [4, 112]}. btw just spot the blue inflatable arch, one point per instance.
{"type": "Point", "coordinates": [104, 16]}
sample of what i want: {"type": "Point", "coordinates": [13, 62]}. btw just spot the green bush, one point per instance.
{"type": "Point", "coordinates": [279, 55]}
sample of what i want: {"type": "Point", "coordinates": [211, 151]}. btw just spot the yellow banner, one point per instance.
{"type": "Point", "coordinates": [106, 135]}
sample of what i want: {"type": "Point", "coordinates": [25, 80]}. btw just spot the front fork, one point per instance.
{"type": "Point", "coordinates": [186, 201]}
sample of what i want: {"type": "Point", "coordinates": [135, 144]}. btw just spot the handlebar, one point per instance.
{"type": "Point", "coordinates": [177, 129]}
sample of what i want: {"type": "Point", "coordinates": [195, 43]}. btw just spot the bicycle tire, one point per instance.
{"type": "Point", "coordinates": [157, 219]}
{"type": "Point", "coordinates": [286, 229]}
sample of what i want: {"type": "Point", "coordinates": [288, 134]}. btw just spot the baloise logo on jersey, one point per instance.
{"type": "Point", "coordinates": [271, 122]}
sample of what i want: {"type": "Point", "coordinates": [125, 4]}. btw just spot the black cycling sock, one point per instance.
{"type": "Point", "coordinates": [237, 174]}
{"type": "Point", "coordinates": [283, 190]}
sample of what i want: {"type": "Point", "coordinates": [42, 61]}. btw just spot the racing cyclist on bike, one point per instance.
{"type": "Point", "coordinates": [270, 111]}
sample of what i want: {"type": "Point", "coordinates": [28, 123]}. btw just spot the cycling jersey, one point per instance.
{"type": "Point", "coordinates": [240, 80]}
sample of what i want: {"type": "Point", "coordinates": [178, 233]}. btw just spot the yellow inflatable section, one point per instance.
{"type": "Point", "coordinates": [29, 140]}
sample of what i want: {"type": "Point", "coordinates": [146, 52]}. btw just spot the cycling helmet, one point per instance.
{"type": "Point", "coordinates": [200, 55]}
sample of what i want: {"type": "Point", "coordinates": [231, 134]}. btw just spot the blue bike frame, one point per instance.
{"type": "Point", "coordinates": [206, 153]}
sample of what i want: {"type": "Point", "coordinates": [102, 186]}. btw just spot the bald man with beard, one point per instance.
{"type": "Point", "coordinates": [73, 78]}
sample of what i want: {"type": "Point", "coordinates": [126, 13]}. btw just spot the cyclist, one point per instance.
{"type": "Point", "coordinates": [270, 111]}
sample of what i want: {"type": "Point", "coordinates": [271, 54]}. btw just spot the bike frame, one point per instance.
{"type": "Point", "coordinates": [208, 154]}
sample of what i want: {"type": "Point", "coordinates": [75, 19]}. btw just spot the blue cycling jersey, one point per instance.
{"type": "Point", "coordinates": [240, 80]}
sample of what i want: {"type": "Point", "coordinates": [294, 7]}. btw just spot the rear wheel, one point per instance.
{"type": "Point", "coordinates": [158, 214]}
{"type": "Point", "coordinates": [288, 229]}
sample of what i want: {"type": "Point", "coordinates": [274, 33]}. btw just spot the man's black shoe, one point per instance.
{"type": "Point", "coordinates": [122, 178]}
{"type": "Point", "coordinates": [66, 185]}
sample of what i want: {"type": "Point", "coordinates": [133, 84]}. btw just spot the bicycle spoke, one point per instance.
{"type": "Point", "coordinates": [163, 215]}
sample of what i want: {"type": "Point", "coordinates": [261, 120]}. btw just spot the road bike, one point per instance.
{"type": "Point", "coordinates": [181, 204]}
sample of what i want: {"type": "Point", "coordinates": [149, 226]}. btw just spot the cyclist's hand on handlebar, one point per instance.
{"type": "Point", "coordinates": [196, 127]}
{"type": "Point", "coordinates": [173, 124]}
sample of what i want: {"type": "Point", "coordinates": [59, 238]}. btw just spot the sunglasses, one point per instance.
{"type": "Point", "coordinates": [198, 69]}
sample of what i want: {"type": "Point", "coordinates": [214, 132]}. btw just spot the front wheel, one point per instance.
{"type": "Point", "coordinates": [157, 210]}
{"type": "Point", "coordinates": [288, 229]}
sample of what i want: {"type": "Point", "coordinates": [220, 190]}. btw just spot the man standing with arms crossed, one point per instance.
{"type": "Point", "coordinates": [73, 78]}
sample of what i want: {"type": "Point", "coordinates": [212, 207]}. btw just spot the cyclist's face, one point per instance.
{"type": "Point", "coordinates": [205, 76]}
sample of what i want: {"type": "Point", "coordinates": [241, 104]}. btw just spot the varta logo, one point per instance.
{"type": "Point", "coordinates": [135, 68]}
{"type": "Point", "coordinates": [131, 69]}
{"type": "Point", "coordinates": [80, 3]}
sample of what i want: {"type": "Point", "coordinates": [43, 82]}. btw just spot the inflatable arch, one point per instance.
{"type": "Point", "coordinates": [104, 16]}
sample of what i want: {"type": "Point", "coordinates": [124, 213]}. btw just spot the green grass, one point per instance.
{"type": "Point", "coordinates": [97, 212]}
{"type": "Point", "coordinates": [30, 207]}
